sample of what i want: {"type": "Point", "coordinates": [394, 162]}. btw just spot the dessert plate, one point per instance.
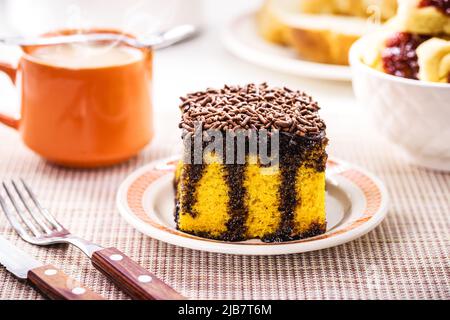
{"type": "Point", "coordinates": [356, 203]}
{"type": "Point", "coordinates": [241, 38]}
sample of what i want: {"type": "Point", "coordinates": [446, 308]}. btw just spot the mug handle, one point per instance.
{"type": "Point", "coordinates": [11, 72]}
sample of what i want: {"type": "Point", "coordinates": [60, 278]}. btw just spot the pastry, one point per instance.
{"type": "Point", "coordinates": [434, 60]}
{"type": "Point", "coordinates": [430, 17]}
{"type": "Point", "coordinates": [321, 31]}
{"type": "Point", "coordinates": [270, 25]}
{"type": "Point", "coordinates": [252, 199]}
{"type": "Point", "coordinates": [416, 43]}
{"type": "Point", "coordinates": [385, 9]}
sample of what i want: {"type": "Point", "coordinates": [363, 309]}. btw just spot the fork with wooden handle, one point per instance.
{"type": "Point", "coordinates": [41, 228]}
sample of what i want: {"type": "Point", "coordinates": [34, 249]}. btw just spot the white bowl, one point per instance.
{"type": "Point", "coordinates": [414, 115]}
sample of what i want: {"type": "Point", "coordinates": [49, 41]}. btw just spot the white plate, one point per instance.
{"type": "Point", "coordinates": [242, 39]}
{"type": "Point", "coordinates": [356, 203]}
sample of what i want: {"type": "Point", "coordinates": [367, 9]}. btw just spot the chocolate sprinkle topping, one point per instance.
{"type": "Point", "coordinates": [252, 107]}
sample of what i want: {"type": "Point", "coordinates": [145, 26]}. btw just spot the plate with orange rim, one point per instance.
{"type": "Point", "coordinates": [356, 203]}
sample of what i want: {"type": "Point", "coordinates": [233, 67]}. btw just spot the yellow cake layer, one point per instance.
{"type": "Point", "coordinates": [262, 200]}
{"type": "Point", "coordinates": [211, 205]}
{"type": "Point", "coordinates": [310, 207]}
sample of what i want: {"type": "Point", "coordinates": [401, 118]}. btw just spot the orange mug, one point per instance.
{"type": "Point", "coordinates": [83, 117]}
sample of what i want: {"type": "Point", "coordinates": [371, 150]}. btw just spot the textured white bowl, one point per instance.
{"type": "Point", "coordinates": [413, 115]}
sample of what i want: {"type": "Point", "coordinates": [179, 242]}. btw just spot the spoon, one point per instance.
{"type": "Point", "coordinates": [155, 41]}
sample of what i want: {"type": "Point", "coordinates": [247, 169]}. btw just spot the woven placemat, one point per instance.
{"type": "Point", "coordinates": [406, 257]}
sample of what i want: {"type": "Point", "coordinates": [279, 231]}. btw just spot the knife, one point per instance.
{"type": "Point", "coordinates": [51, 281]}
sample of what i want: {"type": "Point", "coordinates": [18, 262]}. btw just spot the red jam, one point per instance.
{"type": "Point", "coordinates": [400, 57]}
{"type": "Point", "coordinates": [442, 5]}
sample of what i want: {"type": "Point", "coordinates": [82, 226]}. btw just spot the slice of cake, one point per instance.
{"type": "Point", "coordinates": [238, 190]}
{"type": "Point", "coordinates": [321, 30]}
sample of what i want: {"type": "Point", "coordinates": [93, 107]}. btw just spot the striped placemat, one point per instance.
{"type": "Point", "coordinates": [406, 257]}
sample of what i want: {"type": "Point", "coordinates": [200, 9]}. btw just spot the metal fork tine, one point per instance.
{"type": "Point", "coordinates": [42, 210]}
{"type": "Point", "coordinates": [22, 223]}
{"type": "Point", "coordinates": [13, 220]}
{"type": "Point", "coordinates": [31, 226]}
{"type": "Point", "coordinates": [35, 217]}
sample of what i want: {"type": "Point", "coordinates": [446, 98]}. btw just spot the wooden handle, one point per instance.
{"type": "Point", "coordinates": [56, 285]}
{"type": "Point", "coordinates": [136, 281]}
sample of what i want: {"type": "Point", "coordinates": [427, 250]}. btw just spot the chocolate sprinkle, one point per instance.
{"type": "Point", "coordinates": [252, 107]}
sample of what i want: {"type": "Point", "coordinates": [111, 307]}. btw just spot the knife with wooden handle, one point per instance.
{"type": "Point", "coordinates": [49, 280]}
{"type": "Point", "coordinates": [135, 280]}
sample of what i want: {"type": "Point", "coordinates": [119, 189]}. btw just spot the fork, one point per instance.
{"type": "Point", "coordinates": [36, 225]}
